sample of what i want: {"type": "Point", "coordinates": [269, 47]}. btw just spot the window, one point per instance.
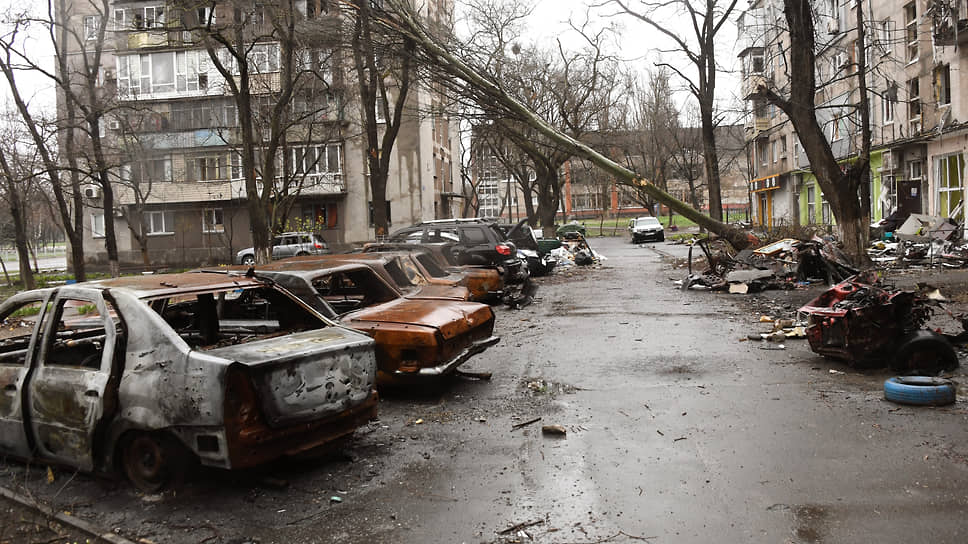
{"type": "Point", "coordinates": [317, 159]}
{"type": "Point", "coordinates": [80, 337]}
{"type": "Point", "coordinates": [950, 173]}
{"type": "Point", "coordinates": [911, 30]}
{"type": "Point", "coordinates": [914, 105]}
{"type": "Point", "coordinates": [942, 84]}
{"type": "Point", "coordinates": [207, 168]}
{"type": "Point", "coordinates": [389, 215]}
{"type": "Point", "coordinates": [212, 220]}
{"type": "Point", "coordinates": [91, 25]}
{"type": "Point", "coordinates": [204, 114]}
{"type": "Point", "coordinates": [315, 8]}
{"type": "Point", "coordinates": [889, 104]}
{"type": "Point", "coordinates": [826, 217]}
{"type": "Point", "coordinates": [811, 205]}
{"type": "Point", "coordinates": [140, 18]}
{"type": "Point", "coordinates": [97, 225]}
{"type": "Point", "coordinates": [16, 329]}
{"type": "Point", "coordinates": [783, 147]}
{"type": "Point", "coordinates": [914, 169]}
{"type": "Point", "coordinates": [762, 150]}
{"type": "Point", "coordinates": [756, 62]}
{"type": "Point", "coordinates": [206, 15]}
{"type": "Point", "coordinates": [773, 150]}
{"type": "Point", "coordinates": [160, 222]}
{"type": "Point", "coordinates": [882, 40]}
{"type": "Point", "coordinates": [151, 170]}
{"type": "Point", "coordinates": [473, 235]}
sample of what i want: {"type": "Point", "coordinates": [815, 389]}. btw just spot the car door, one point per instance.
{"type": "Point", "coordinates": [279, 249]}
{"type": "Point", "coordinates": [70, 393]}
{"type": "Point", "coordinates": [21, 323]}
{"type": "Point", "coordinates": [476, 246]}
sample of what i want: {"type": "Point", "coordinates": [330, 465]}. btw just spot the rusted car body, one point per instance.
{"type": "Point", "coordinates": [865, 323]}
{"type": "Point", "coordinates": [484, 282]}
{"type": "Point", "coordinates": [397, 271]}
{"type": "Point", "coordinates": [415, 338]}
{"type": "Point", "coordinates": [149, 373]}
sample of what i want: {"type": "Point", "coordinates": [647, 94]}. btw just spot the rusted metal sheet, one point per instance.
{"type": "Point", "coordinates": [483, 282]}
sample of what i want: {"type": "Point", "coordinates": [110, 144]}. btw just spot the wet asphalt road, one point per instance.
{"type": "Point", "coordinates": [677, 432]}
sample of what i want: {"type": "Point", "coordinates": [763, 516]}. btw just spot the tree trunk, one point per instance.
{"type": "Point", "coordinates": [711, 163]}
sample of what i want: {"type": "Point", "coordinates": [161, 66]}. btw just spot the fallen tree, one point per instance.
{"type": "Point", "coordinates": [398, 16]}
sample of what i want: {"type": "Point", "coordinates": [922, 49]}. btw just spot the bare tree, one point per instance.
{"type": "Point", "coordinates": [16, 167]}
{"type": "Point", "coordinates": [485, 90]}
{"type": "Point", "coordinates": [706, 19]}
{"type": "Point", "coordinates": [276, 63]}
{"type": "Point", "coordinates": [845, 188]}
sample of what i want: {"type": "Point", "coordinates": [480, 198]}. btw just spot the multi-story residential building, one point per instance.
{"type": "Point", "coordinates": [918, 82]}
{"type": "Point", "coordinates": [174, 132]}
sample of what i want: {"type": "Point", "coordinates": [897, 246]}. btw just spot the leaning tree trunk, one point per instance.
{"type": "Point", "coordinates": [407, 22]}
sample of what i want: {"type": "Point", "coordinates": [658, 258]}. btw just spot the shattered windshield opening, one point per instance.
{"type": "Point", "coordinates": [348, 291]}
{"type": "Point", "coordinates": [233, 316]}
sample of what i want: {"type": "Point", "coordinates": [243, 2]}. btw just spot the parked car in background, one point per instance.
{"type": "Point", "coordinates": [287, 244]}
{"type": "Point", "coordinates": [646, 228]}
{"type": "Point", "coordinates": [475, 242]}
{"type": "Point", "coordinates": [153, 373]}
{"type": "Point", "coordinates": [414, 338]}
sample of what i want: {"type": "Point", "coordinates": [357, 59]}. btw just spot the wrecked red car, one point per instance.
{"type": "Point", "coordinates": [150, 374]}
{"type": "Point", "coordinates": [865, 323]}
{"type": "Point", "coordinates": [415, 338]}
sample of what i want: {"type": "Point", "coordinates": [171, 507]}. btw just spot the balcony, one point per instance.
{"type": "Point", "coordinates": [949, 32]}
{"type": "Point", "coordinates": [752, 82]}
{"type": "Point", "coordinates": [147, 38]}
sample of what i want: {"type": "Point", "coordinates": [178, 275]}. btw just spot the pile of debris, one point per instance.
{"type": "Point", "coordinates": [784, 264]}
{"type": "Point", "coordinates": [919, 240]}
{"type": "Point", "coordinates": [575, 251]}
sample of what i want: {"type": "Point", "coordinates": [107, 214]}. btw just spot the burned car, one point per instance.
{"type": "Point", "coordinates": [482, 282]}
{"type": "Point", "coordinates": [866, 323]}
{"type": "Point", "coordinates": [150, 374]}
{"type": "Point", "coordinates": [414, 338]}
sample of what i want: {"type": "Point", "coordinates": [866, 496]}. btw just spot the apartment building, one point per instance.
{"type": "Point", "coordinates": [174, 133]}
{"type": "Point", "coordinates": [918, 91]}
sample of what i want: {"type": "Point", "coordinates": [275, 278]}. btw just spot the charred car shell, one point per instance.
{"type": "Point", "coordinates": [146, 374]}
{"type": "Point", "coordinates": [414, 338]}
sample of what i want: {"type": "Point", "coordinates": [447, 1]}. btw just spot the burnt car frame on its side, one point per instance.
{"type": "Point", "coordinates": [148, 374]}
{"type": "Point", "coordinates": [414, 338]}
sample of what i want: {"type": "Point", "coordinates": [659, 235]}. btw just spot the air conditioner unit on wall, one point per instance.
{"type": "Point", "coordinates": [92, 191]}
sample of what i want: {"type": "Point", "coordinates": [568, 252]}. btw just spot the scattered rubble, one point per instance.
{"type": "Point", "coordinates": [784, 264]}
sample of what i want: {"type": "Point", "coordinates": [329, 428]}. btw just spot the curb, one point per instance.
{"type": "Point", "coordinates": [66, 519]}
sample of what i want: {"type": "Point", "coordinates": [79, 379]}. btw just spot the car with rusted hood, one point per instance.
{"type": "Point", "coordinates": [150, 374]}
{"type": "Point", "coordinates": [483, 282]}
{"type": "Point", "coordinates": [415, 338]}
{"type": "Point", "coordinates": [399, 272]}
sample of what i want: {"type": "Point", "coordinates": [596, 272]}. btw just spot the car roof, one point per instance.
{"type": "Point", "coordinates": [158, 285]}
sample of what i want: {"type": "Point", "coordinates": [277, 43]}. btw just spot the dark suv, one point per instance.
{"type": "Point", "coordinates": [475, 242]}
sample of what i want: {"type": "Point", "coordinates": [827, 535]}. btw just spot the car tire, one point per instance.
{"type": "Point", "coordinates": [248, 260]}
{"type": "Point", "coordinates": [924, 352]}
{"type": "Point", "coordinates": [302, 254]}
{"type": "Point", "coordinates": [154, 461]}
{"type": "Point", "coordinates": [662, 237]}
{"type": "Point", "coordinates": [920, 390]}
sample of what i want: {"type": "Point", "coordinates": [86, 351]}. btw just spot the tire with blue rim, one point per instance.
{"type": "Point", "coordinates": [920, 390]}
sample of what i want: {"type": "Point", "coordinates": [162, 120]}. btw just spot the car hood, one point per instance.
{"type": "Point", "coordinates": [450, 318]}
{"type": "Point", "coordinates": [438, 292]}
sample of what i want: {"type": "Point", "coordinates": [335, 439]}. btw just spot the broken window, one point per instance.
{"type": "Point", "coordinates": [942, 84]}
{"type": "Point", "coordinates": [229, 317]}
{"type": "Point", "coordinates": [430, 265]}
{"type": "Point", "coordinates": [811, 205]}
{"type": "Point", "coordinates": [348, 291]}
{"type": "Point", "coordinates": [16, 329]}
{"type": "Point", "coordinates": [212, 220]}
{"type": "Point", "coordinates": [80, 335]}
{"type": "Point", "coordinates": [911, 30]}
{"type": "Point", "coordinates": [950, 173]}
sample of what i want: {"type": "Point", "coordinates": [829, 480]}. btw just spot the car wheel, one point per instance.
{"type": "Point", "coordinates": [919, 390]}
{"type": "Point", "coordinates": [924, 352]}
{"type": "Point", "coordinates": [248, 260]}
{"type": "Point", "coordinates": [662, 237]}
{"type": "Point", "coordinates": [302, 254]}
{"type": "Point", "coordinates": [153, 461]}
